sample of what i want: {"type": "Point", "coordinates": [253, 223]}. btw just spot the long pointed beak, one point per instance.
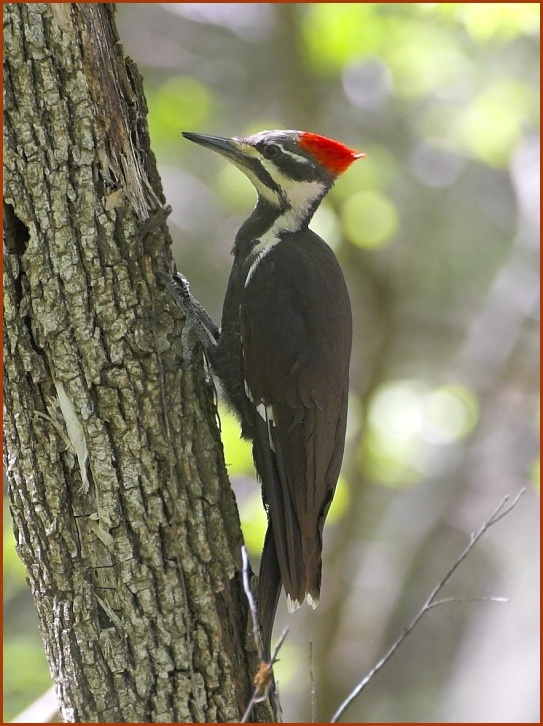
{"type": "Point", "coordinates": [232, 148]}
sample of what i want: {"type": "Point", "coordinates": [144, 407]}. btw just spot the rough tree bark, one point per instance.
{"type": "Point", "coordinates": [123, 514]}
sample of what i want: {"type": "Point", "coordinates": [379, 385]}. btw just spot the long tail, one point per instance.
{"type": "Point", "coordinates": [269, 588]}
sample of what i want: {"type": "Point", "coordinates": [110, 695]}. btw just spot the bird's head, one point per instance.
{"type": "Point", "coordinates": [290, 170]}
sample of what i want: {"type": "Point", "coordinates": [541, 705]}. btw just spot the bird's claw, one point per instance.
{"type": "Point", "coordinates": [197, 319]}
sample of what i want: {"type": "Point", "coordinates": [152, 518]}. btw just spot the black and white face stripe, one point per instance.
{"type": "Point", "coordinates": [288, 157]}
{"type": "Point", "coordinates": [261, 179]}
{"type": "Point", "coordinates": [281, 171]}
{"type": "Point", "coordinates": [294, 164]}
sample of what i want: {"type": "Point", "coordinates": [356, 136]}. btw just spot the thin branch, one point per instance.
{"type": "Point", "coordinates": [263, 680]}
{"type": "Point", "coordinates": [447, 600]}
{"type": "Point", "coordinates": [501, 511]}
{"type": "Point", "coordinates": [252, 604]}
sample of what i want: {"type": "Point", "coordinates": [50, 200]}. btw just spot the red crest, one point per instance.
{"type": "Point", "coordinates": [331, 154]}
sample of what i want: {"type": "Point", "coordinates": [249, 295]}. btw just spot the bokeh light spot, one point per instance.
{"type": "Point", "coordinates": [369, 219]}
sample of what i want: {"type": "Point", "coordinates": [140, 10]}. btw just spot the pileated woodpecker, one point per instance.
{"type": "Point", "coordinates": [283, 350]}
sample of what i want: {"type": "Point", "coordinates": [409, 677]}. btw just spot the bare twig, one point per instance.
{"type": "Point", "coordinates": [278, 645]}
{"type": "Point", "coordinates": [447, 600]}
{"type": "Point", "coordinates": [252, 604]}
{"type": "Point", "coordinates": [501, 511]}
{"type": "Point", "coordinates": [263, 680]}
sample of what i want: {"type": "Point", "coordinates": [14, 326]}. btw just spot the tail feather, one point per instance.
{"type": "Point", "coordinates": [298, 457]}
{"type": "Point", "coordinates": [269, 588]}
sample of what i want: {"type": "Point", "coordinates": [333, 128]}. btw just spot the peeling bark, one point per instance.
{"type": "Point", "coordinates": [123, 513]}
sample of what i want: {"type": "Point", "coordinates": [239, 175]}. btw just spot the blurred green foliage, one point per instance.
{"type": "Point", "coordinates": [177, 98]}
{"type": "Point", "coordinates": [406, 423]}
{"type": "Point", "coordinates": [26, 674]}
{"type": "Point", "coordinates": [237, 451]}
{"type": "Point", "coordinates": [370, 219]}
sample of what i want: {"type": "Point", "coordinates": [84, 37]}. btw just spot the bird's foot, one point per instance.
{"type": "Point", "coordinates": [197, 319]}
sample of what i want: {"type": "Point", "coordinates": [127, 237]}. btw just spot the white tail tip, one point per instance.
{"type": "Point", "coordinates": [292, 605]}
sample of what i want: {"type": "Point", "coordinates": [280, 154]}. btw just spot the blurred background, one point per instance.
{"type": "Point", "coordinates": [437, 232]}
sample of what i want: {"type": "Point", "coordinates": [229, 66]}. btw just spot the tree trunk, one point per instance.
{"type": "Point", "coordinates": [123, 513]}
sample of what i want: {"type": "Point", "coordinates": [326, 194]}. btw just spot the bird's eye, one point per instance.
{"type": "Point", "coordinates": [271, 150]}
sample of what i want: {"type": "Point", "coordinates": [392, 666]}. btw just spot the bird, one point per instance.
{"type": "Point", "coordinates": [282, 352]}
